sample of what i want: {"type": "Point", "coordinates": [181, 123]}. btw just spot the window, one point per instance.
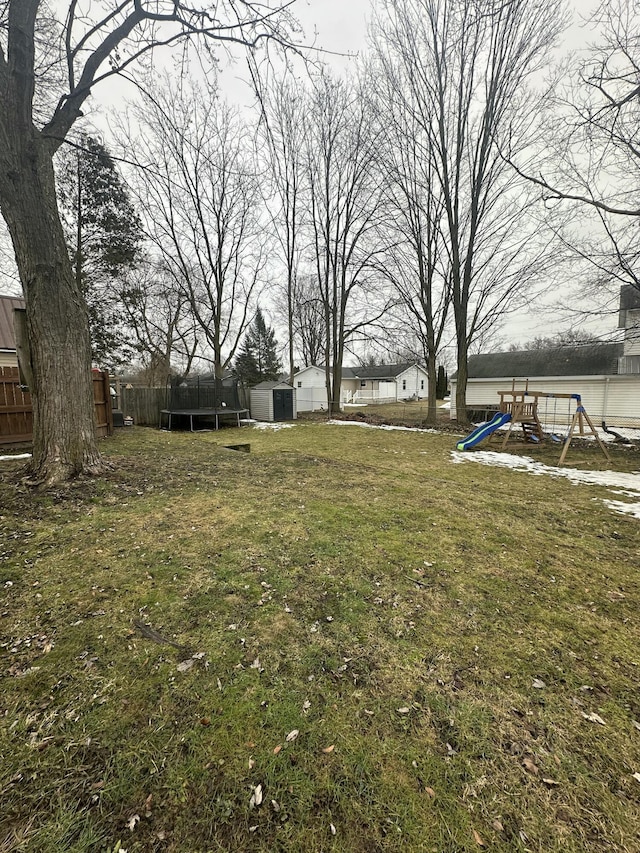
{"type": "Point", "coordinates": [404, 384]}
{"type": "Point", "coordinates": [363, 383]}
{"type": "Point", "coordinates": [299, 383]}
{"type": "Point", "coordinates": [422, 384]}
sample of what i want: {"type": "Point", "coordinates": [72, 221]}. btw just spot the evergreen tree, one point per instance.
{"type": "Point", "coordinates": [104, 235]}
{"type": "Point", "coordinates": [258, 359]}
{"type": "Point", "coordinates": [442, 383]}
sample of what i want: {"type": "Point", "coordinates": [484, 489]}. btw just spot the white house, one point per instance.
{"type": "Point", "coordinates": [385, 383]}
{"type": "Point", "coordinates": [311, 391]}
{"type": "Point", "coordinates": [629, 320]}
{"type": "Point", "coordinates": [607, 376]}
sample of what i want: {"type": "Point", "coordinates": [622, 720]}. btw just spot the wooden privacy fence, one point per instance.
{"type": "Point", "coordinates": [16, 414]}
{"type": "Point", "coordinates": [143, 404]}
{"type": "Point", "coordinates": [16, 421]}
{"type": "Point", "coordinates": [102, 402]}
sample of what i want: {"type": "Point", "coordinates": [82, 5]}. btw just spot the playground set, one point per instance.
{"type": "Point", "coordinates": [523, 407]}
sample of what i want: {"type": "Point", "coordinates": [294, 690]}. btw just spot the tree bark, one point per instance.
{"type": "Point", "coordinates": [461, 381]}
{"type": "Point", "coordinates": [62, 392]}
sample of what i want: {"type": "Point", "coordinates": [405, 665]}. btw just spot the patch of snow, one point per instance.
{"type": "Point", "coordinates": [618, 482]}
{"type": "Point", "coordinates": [270, 425]}
{"type": "Point", "coordinates": [388, 427]}
{"type": "Point", "coordinates": [355, 405]}
{"type": "Point", "coordinates": [16, 456]}
{"type": "Point", "coordinates": [446, 405]}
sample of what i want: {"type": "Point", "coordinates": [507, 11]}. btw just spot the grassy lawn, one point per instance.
{"type": "Point", "coordinates": [372, 649]}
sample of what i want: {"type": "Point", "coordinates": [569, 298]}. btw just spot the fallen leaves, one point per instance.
{"type": "Point", "coordinates": [329, 749]}
{"type": "Point", "coordinates": [256, 797]}
{"type": "Point", "coordinates": [478, 839]}
{"type": "Point", "coordinates": [594, 718]}
{"type": "Point", "coordinates": [530, 766]}
{"type": "Point", "coordinates": [292, 735]}
{"type": "Point", "coordinates": [636, 776]}
{"type": "Point", "coordinates": [538, 683]}
{"type": "Point", "coordinates": [186, 665]}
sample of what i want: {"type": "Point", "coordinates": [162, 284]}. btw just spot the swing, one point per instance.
{"type": "Point", "coordinates": [553, 435]}
{"type": "Point", "coordinates": [513, 403]}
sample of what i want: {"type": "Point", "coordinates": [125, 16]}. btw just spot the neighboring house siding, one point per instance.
{"type": "Point", "coordinates": [8, 359]}
{"type": "Point", "coordinates": [361, 384]}
{"type": "Point", "coordinates": [8, 354]}
{"type": "Point", "coordinates": [311, 391]}
{"type": "Point", "coordinates": [412, 383]}
{"type": "Point", "coordinates": [615, 399]}
{"type": "Point", "coordinates": [622, 400]}
{"type": "Point", "coordinates": [632, 332]}
{"type": "Point", "coordinates": [369, 389]}
{"type": "Point", "coordinates": [311, 399]}
{"type": "Point", "coordinates": [348, 388]}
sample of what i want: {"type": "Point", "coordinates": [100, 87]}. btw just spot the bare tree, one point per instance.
{"type": "Point", "coordinates": [590, 172]}
{"type": "Point", "coordinates": [202, 207]}
{"type": "Point", "coordinates": [345, 194]}
{"type": "Point", "coordinates": [415, 261]}
{"type": "Point", "coordinates": [71, 54]}
{"type": "Point", "coordinates": [464, 65]}
{"type": "Point", "coordinates": [160, 320]}
{"type": "Point", "coordinates": [596, 160]}
{"type": "Point", "coordinates": [280, 102]}
{"type": "Point", "coordinates": [309, 324]}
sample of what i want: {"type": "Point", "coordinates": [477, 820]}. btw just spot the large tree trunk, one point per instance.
{"type": "Point", "coordinates": [461, 382]}
{"type": "Point", "coordinates": [432, 382]}
{"type": "Point", "coordinates": [57, 321]}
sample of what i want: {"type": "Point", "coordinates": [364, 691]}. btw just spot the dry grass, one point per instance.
{"type": "Point", "coordinates": [350, 584]}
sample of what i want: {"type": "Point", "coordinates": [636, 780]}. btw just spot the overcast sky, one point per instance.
{"type": "Point", "coordinates": [339, 27]}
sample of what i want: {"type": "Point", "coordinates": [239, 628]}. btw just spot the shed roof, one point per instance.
{"type": "Point", "coordinates": [7, 336]}
{"type": "Point", "coordinates": [269, 386]}
{"type": "Point", "coordinates": [586, 360]}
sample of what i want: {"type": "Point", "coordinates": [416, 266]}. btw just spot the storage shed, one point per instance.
{"type": "Point", "coordinates": [273, 401]}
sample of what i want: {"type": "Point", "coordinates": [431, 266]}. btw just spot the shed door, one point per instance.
{"type": "Point", "coordinates": [283, 404]}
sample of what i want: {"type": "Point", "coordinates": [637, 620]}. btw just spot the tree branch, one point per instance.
{"type": "Point", "coordinates": [560, 195]}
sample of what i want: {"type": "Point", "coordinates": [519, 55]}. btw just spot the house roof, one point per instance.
{"type": "Point", "coordinates": [378, 371]}
{"type": "Point", "coordinates": [586, 360]}
{"type": "Point", "coordinates": [7, 336]}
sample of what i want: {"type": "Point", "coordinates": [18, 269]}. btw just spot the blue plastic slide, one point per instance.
{"type": "Point", "coordinates": [484, 431]}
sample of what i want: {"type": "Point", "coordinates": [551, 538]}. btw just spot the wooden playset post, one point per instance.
{"type": "Point", "coordinates": [527, 414]}
{"type": "Point", "coordinates": [579, 416]}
